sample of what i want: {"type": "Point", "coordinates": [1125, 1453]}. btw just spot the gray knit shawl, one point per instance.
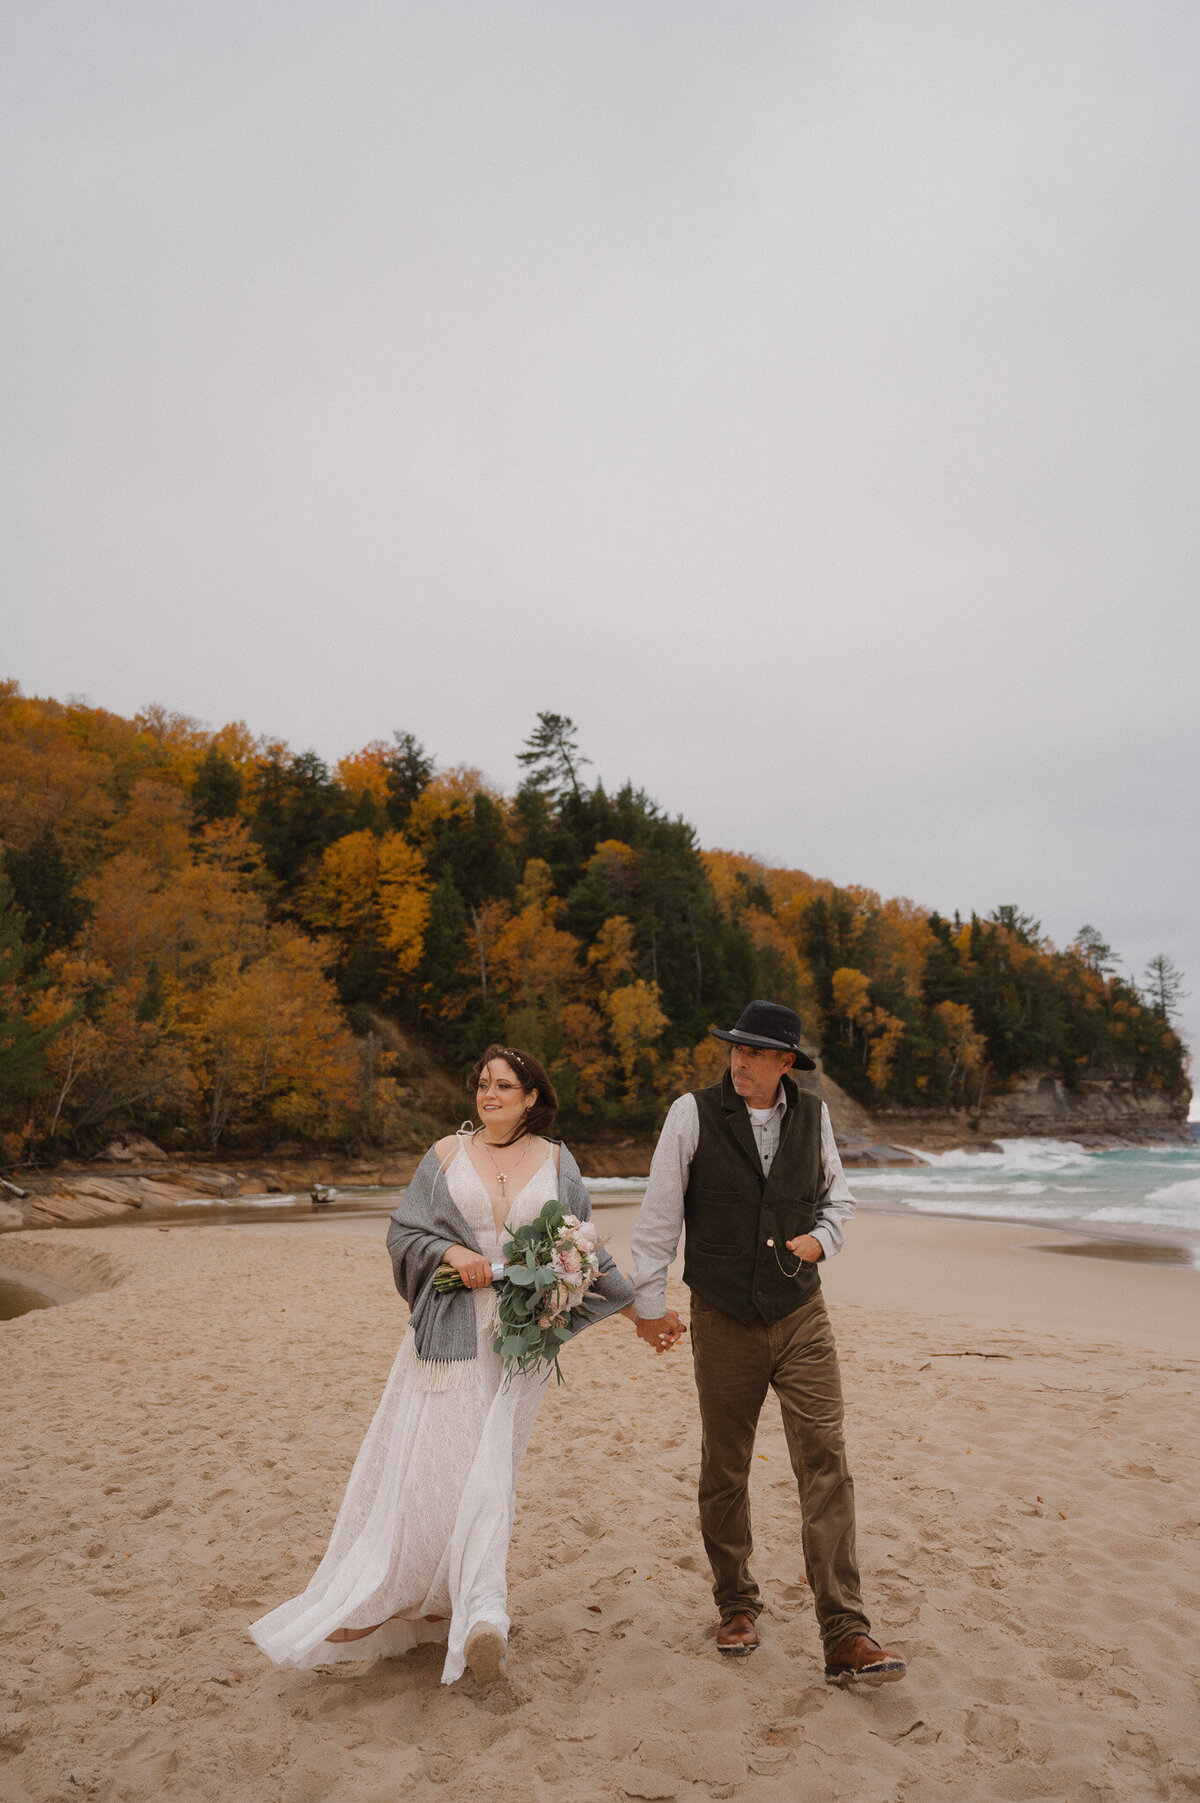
{"type": "Point", "coordinates": [424, 1226]}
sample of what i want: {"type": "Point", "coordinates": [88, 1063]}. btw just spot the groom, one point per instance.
{"type": "Point", "coordinates": [751, 1166]}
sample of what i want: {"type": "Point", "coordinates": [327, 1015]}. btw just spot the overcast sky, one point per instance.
{"type": "Point", "coordinates": [803, 397]}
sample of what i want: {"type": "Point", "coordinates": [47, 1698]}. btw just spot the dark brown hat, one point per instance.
{"type": "Point", "coordinates": [771, 1026]}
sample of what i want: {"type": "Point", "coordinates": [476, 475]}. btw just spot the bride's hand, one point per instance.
{"type": "Point", "coordinates": [475, 1271]}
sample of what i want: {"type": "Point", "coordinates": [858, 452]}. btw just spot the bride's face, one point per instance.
{"type": "Point", "coordinates": [500, 1102]}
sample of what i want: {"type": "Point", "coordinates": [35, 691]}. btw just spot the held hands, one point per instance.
{"type": "Point", "coordinates": [662, 1334]}
{"type": "Point", "coordinates": [474, 1270]}
{"type": "Point", "coordinates": [807, 1249]}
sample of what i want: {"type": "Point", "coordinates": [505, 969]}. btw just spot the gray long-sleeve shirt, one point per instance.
{"type": "Point", "coordinates": [659, 1224]}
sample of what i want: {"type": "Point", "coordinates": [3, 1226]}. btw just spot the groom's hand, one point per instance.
{"type": "Point", "coordinates": [663, 1333]}
{"type": "Point", "coordinates": [806, 1248]}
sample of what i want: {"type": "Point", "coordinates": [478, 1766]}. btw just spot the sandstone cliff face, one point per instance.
{"type": "Point", "coordinates": [849, 1118]}
{"type": "Point", "coordinates": [1105, 1109]}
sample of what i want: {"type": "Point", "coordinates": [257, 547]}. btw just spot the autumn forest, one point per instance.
{"type": "Point", "coordinates": [212, 939]}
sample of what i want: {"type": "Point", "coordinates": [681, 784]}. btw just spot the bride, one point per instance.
{"type": "Point", "coordinates": [419, 1547]}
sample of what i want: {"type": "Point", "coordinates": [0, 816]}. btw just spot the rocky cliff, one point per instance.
{"type": "Point", "coordinates": [1101, 1111]}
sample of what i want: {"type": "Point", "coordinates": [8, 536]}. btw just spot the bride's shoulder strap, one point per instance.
{"type": "Point", "coordinates": [447, 1149]}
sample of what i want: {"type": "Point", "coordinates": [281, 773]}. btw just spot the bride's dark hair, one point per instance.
{"type": "Point", "coordinates": [530, 1073]}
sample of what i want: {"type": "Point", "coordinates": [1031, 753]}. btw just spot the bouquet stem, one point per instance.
{"type": "Point", "coordinates": [446, 1278]}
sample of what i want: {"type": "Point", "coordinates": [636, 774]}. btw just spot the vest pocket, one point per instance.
{"type": "Point", "coordinates": [713, 1225]}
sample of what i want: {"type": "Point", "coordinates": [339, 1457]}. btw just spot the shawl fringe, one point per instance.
{"type": "Point", "coordinates": [437, 1376]}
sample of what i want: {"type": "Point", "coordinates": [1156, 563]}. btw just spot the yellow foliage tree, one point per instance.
{"type": "Point", "coordinates": [611, 953]}
{"type": "Point", "coordinates": [227, 845]}
{"type": "Point", "coordinates": [366, 887]}
{"type": "Point", "coordinates": [45, 778]}
{"type": "Point", "coordinates": [404, 891]}
{"type": "Point", "coordinates": [904, 939]}
{"type": "Point", "coordinates": [536, 888]}
{"type": "Point", "coordinates": [783, 967]}
{"type": "Point", "coordinates": [583, 1048]}
{"type": "Point", "coordinates": [365, 772]}
{"type": "Point", "coordinates": [968, 1048]}
{"type": "Point", "coordinates": [155, 826]}
{"type": "Point", "coordinates": [886, 1033]}
{"type": "Point", "coordinates": [449, 794]}
{"type": "Point", "coordinates": [171, 745]}
{"type": "Point", "coordinates": [271, 1044]}
{"type": "Point", "coordinates": [342, 895]}
{"type": "Point", "coordinates": [635, 1023]}
{"type": "Point", "coordinates": [693, 1067]}
{"type": "Point", "coordinates": [729, 872]}
{"type": "Point", "coordinates": [185, 921]}
{"type": "Point", "coordinates": [236, 742]}
{"type": "Point", "coordinates": [533, 960]}
{"type": "Point", "coordinates": [107, 1061]}
{"type": "Point", "coordinates": [851, 998]}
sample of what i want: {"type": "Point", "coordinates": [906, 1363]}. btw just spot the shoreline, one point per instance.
{"type": "Point", "coordinates": [76, 1194]}
{"type": "Point", "coordinates": [1143, 1240]}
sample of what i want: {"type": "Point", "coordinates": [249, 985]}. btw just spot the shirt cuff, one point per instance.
{"type": "Point", "coordinates": [650, 1305]}
{"type": "Point", "coordinates": [826, 1240]}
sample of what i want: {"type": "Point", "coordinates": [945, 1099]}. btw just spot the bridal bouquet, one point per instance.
{"type": "Point", "coordinates": [549, 1267]}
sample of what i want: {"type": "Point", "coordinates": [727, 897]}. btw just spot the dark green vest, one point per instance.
{"type": "Point", "coordinates": [731, 1210]}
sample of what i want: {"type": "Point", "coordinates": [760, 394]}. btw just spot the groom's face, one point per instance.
{"type": "Point", "coordinates": [755, 1072]}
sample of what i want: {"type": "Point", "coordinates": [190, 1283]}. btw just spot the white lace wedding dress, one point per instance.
{"type": "Point", "coordinates": [424, 1525]}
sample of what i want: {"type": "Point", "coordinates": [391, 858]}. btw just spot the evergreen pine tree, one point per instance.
{"type": "Point", "coordinates": [22, 1046]}
{"type": "Point", "coordinates": [409, 773]}
{"type": "Point", "coordinates": [217, 788]}
{"type": "Point", "coordinates": [552, 755]}
{"type": "Point", "coordinates": [152, 999]}
{"type": "Point", "coordinates": [43, 889]}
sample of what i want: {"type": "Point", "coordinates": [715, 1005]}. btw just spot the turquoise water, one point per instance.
{"type": "Point", "coordinates": [1051, 1182]}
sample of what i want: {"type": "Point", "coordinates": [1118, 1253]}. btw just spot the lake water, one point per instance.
{"type": "Point", "coordinates": [1049, 1182]}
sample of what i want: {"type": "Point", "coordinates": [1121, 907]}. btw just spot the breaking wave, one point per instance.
{"type": "Point", "coordinates": [1050, 1181]}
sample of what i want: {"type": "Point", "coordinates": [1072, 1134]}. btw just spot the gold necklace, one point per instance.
{"type": "Point", "coordinates": [503, 1176]}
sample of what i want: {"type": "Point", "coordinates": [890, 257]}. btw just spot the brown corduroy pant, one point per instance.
{"type": "Point", "coordinates": [735, 1365]}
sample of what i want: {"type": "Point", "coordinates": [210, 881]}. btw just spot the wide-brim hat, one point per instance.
{"type": "Point", "coordinates": [771, 1027]}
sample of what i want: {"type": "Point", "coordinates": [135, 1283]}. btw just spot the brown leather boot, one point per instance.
{"type": "Point", "coordinates": [737, 1635]}
{"type": "Point", "coordinates": [860, 1660]}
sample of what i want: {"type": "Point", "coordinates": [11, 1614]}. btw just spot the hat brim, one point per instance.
{"type": "Point", "coordinates": [803, 1061]}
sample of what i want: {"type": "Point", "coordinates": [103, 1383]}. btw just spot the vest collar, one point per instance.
{"type": "Point", "coordinates": [737, 1115]}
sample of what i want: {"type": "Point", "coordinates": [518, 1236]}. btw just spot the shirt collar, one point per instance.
{"type": "Point", "coordinates": [778, 1105]}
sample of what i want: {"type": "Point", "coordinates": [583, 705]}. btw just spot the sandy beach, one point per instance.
{"type": "Point", "coordinates": [176, 1442]}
